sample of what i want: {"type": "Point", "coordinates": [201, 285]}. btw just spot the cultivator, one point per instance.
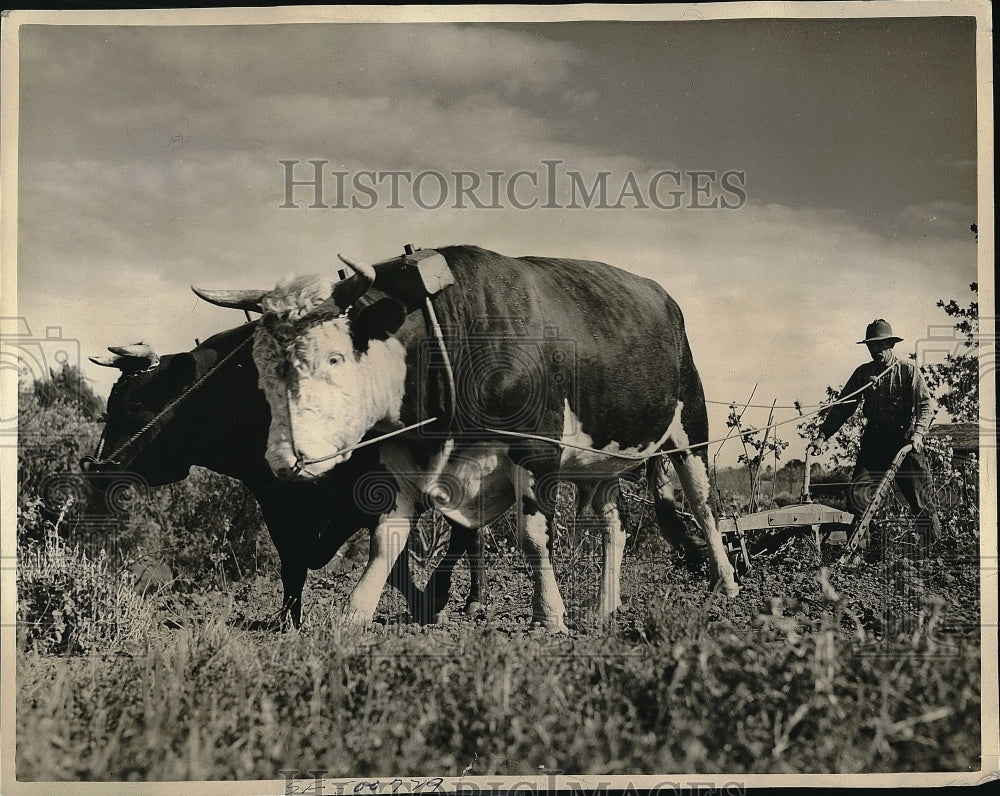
{"type": "Point", "coordinates": [824, 521]}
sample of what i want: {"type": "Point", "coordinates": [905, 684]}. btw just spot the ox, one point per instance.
{"type": "Point", "coordinates": [203, 407]}
{"type": "Point", "coordinates": [519, 373]}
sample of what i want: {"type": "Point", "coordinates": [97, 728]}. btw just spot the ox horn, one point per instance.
{"type": "Point", "coordinates": [247, 300]}
{"type": "Point", "coordinates": [365, 271]}
{"type": "Point", "coordinates": [350, 290]}
{"type": "Point", "coordinates": [107, 362]}
{"type": "Point", "coordinates": [129, 358]}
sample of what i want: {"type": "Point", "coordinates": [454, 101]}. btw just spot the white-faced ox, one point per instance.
{"type": "Point", "coordinates": [203, 407]}
{"type": "Point", "coordinates": [561, 370]}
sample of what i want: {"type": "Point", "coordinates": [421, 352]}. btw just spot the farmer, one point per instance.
{"type": "Point", "coordinates": [897, 408]}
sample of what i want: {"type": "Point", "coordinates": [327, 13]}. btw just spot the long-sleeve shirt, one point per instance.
{"type": "Point", "coordinates": [898, 405]}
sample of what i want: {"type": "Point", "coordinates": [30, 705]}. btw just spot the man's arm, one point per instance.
{"type": "Point", "coordinates": [840, 413]}
{"type": "Point", "coordinates": [922, 410]}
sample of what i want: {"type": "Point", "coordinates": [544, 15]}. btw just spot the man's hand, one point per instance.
{"type": "Point", "coordinates": [815, 448]}
{"type": "Point", "coordinates": [917, 441]}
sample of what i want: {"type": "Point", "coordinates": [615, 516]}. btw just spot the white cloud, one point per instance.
{"type": "Point", "coordinates": [166, 173]}
{"type": "Point", "coordinates": [364, 60]}
{"type": "Point", "coordinates": [772, 296]}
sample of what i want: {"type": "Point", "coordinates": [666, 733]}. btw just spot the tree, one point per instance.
{"type": "Point", "coordinates": [790, 477]}
{"type": "Point", "coordinates": [955, 382]}
{"type": "Point", "coordinates": [57, 423]}
{"type": "Point", "coordinates": [846, 443]}
{"type": "Point", "coordinates": [68, 386]}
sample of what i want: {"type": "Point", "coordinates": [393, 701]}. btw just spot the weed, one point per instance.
{"type": "Point", "coordinates": [69, 602]}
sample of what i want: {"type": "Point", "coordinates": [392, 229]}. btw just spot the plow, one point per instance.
{"type": "Point", "coordinates": [822, 521]}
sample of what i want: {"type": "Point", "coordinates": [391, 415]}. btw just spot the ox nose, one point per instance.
{"type": "Point", "coordinates": [91, 465]}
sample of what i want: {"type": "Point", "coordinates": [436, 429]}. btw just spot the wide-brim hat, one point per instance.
{"type": "Point", "coordinates": [879, 330]}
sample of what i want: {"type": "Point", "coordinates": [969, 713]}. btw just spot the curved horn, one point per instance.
{"type": "Point", "coordinates": [140, 350]}
{"type": "Point", "coordinates": [232, 299]}
{"type": "Point", "coordinates": [363, 270]}
{"type": "Point", "coordinates": [137, 356]}
{"type": "Point", "coordinates": [354, 287]}
{"type": "Point", "coordinates": [129, 358]}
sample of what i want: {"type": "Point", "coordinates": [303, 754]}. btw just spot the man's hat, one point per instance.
{"type": "Point", "coordinates": [879, 330]}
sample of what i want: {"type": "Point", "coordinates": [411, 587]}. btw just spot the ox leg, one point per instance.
{"type": "Point", "coordinates": [693, 475]}
{"type": "Point", "coordinates": [401, 577]}
{"type": "Point", "coordinates": [438, 587]}
{"type": "Point", "coordinates": [476, 604]}
{"type": "Point", "coordinates": [293, 579]}
{"type": "Point", "coordinates": [605, 504]}
{"type": "Point", "coordinates": [388, 541]}
{"type": "Point", "coordinates": [534, 536]}
{"type": "Point", "coordinates": [677, 532]}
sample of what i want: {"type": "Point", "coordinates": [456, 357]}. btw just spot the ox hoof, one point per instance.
{"type": "Point", "coordinates": [603, 620]}
{"type": "Point", "coordinates": [727, 586]}
{"type": "Point", "coordinates": [474, 610]}
{"type": "Point", "coordinates": [557, 627]}
{"type": "Point", "coordinates": [354, 623]}
{"type": "Point", "coordinates": [440, 618]}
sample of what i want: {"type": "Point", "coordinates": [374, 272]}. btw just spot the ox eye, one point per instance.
{"type": "Point", "coordinates": [334, 359]}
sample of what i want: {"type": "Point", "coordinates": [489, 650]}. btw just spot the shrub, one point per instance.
{"type": "Point", "coordinates": [956, 488]}
{"type": "Point", "coordinates": [207, 527]}
{"type": "Point", "coordinates": [52, 436]}
{"type": "Point", "coordinates": [69, 602]}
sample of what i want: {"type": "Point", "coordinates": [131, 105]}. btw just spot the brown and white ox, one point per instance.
{"type": "Point", "coordinates": [555, 370]}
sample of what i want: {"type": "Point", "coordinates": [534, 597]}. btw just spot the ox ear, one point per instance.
{"type": "Point", "coordinates": [183, 369]}
{"type": "Point", "coordinates": [377, 322]}
{"type": "Point", "coordinates": [232, 299]}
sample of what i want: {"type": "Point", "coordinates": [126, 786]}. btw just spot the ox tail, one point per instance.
{"type": "Point", "coordinates": [694, 414]}
{"type": "Point", "coordinates": [681, 529]}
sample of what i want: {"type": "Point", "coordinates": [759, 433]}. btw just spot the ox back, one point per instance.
{"type": "Point", "coordinates": [603, 342]}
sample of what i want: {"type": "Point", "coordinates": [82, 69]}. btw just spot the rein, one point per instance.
{"type": "Point", "coordinates": [642, 457]}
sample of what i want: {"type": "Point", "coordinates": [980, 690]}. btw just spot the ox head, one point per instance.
{"type": "Point", "coordinates": [329, 368]}
{"type": "Point", "coordinates": [131, 439]}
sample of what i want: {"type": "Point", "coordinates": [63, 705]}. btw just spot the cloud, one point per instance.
{"type": "Point", "coordinates": [938, 219]}
{"type": "Point", "coordinates": [773, 296]}
{"type": "Point", "coordinates": [149, 160]}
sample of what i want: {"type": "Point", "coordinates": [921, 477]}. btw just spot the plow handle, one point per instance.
{"type": "Point", "coordinates": [860, 531]}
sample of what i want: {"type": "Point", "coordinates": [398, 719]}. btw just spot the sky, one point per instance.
{"type": "Point", "coordinates": [150, 160]}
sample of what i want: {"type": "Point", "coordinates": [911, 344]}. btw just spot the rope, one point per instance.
{"type": "Point", "coordinates": [734, 404]}
{"type": "Point", "coordinates": [436, 329]}
{"type": "Point", "coordinates": [174, 404]}
{"type": "Point", "coordinates": [432, 320]}
{"type": "Point", "coordinates": [303, 462]}
{"type": "Point", "coordinates": [449, 373]}
{"type": "Point", "coordinates": [642, 457]}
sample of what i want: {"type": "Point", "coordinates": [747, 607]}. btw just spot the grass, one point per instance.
{"type": "Point", "coordinates": [813, 668]}
{"type": "Point", "coordinates": [792, 676]}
